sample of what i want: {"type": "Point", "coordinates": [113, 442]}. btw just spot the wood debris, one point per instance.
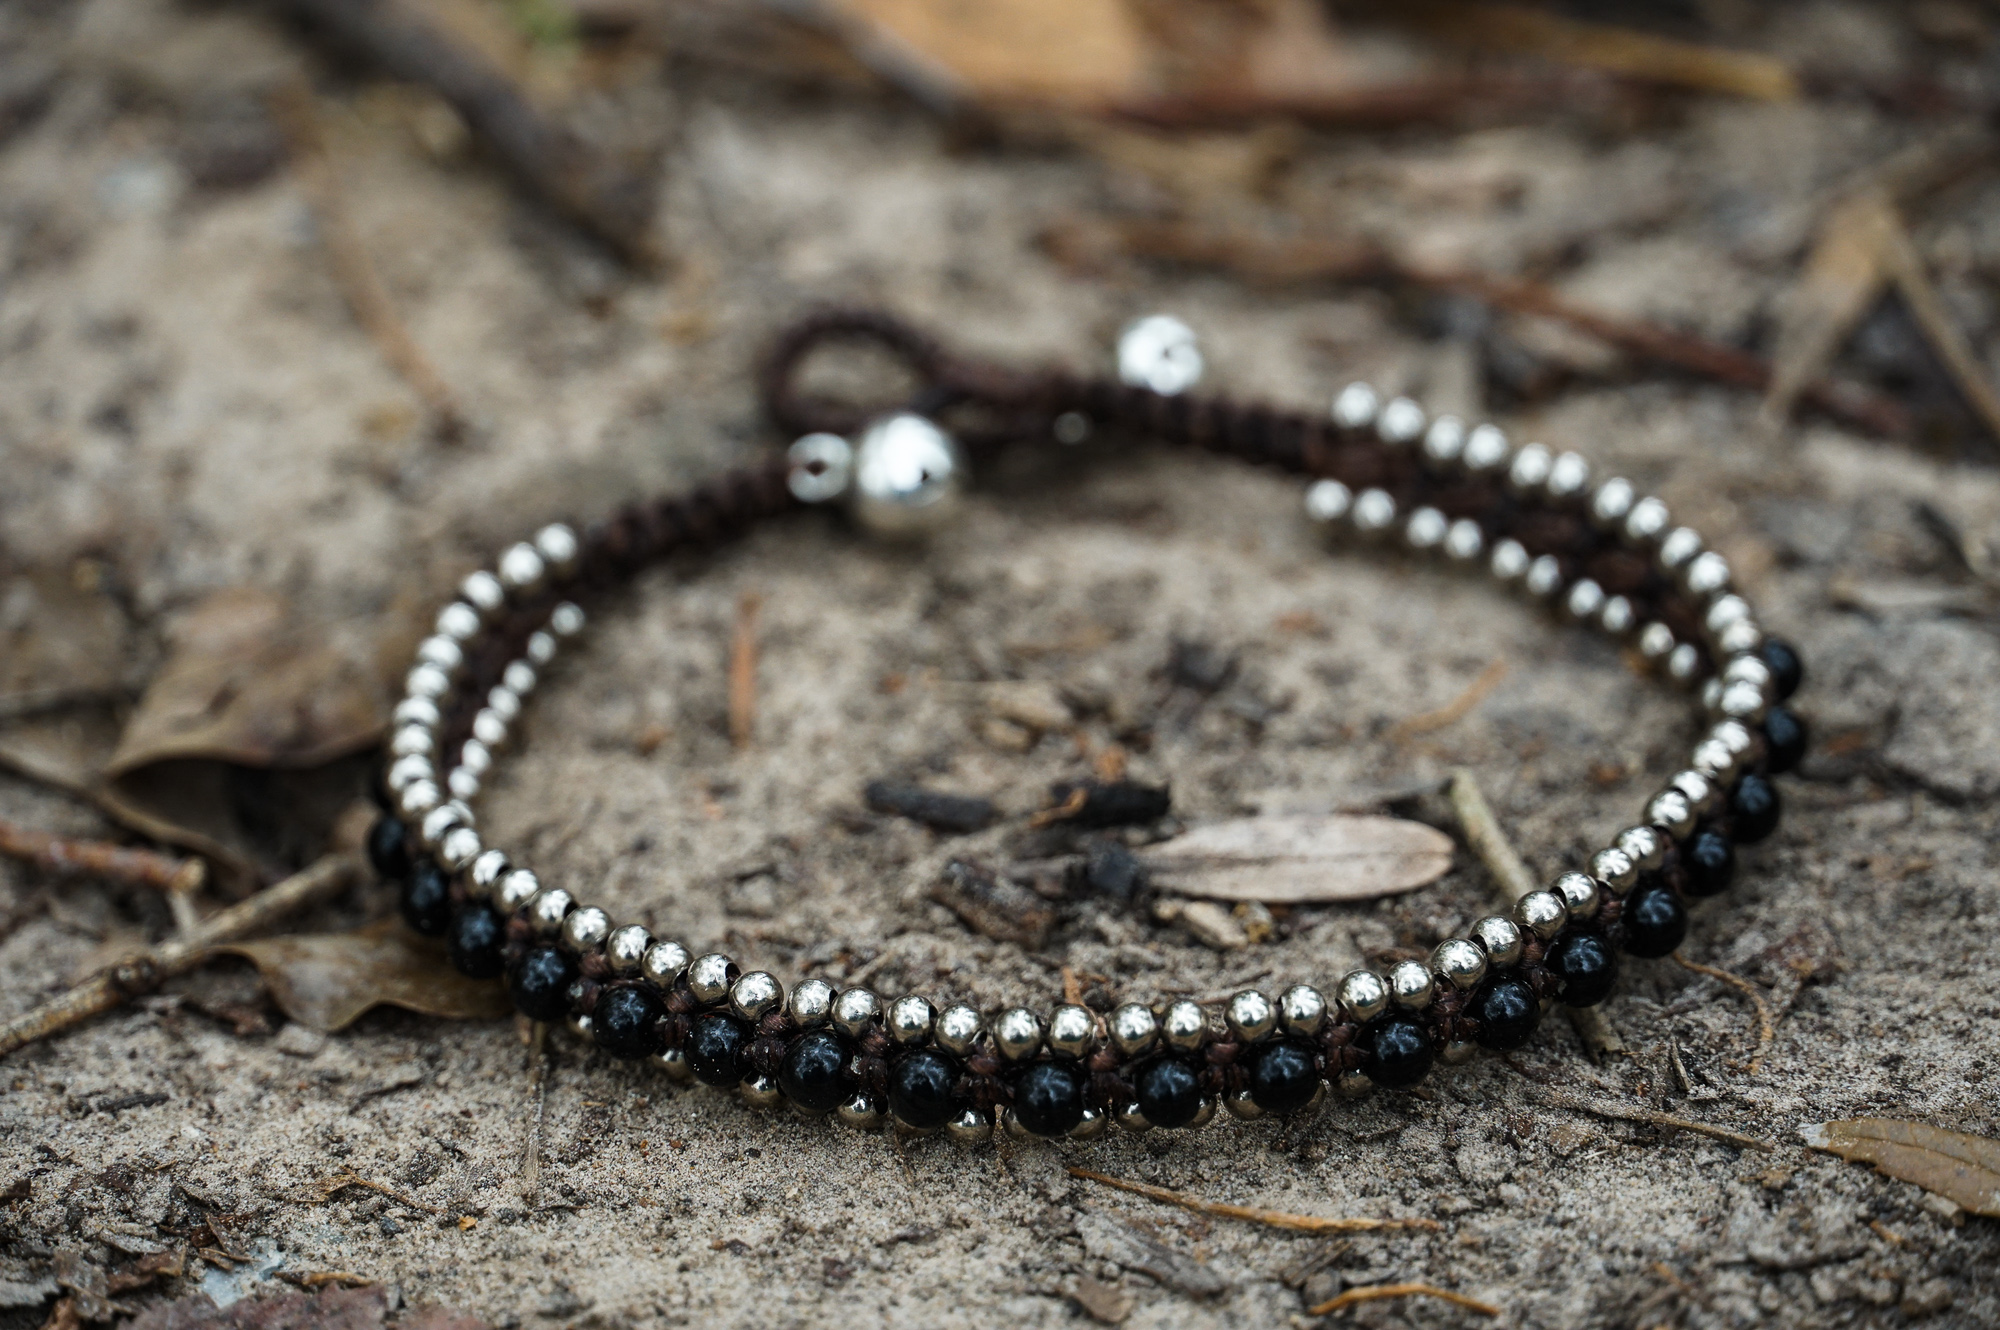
{"type": "Point", "coordinates": [112, 863]}
{"type": "Point", "coordinates": [1296, 859]}
{"type": "Point", "coordinates": [1253, 1214]}
{"type": "Point", "coordinates": [1378, 1292]}
{"type": "Point", "coordinates": [1766, 1031]}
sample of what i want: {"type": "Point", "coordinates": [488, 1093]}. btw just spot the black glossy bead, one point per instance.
{"type": "Point", "coordinates": [1399, 1052]}
{"type": "Point", "coordinates": [1655, 922]}
{"type": "Point", "coordinates": [1787, 670]}
{"type": "Point", "coordinates": [427, 898]}
{"type": "Point", "coordinates": [920, 1088]}
{"type": "Point", "coordinates": [1169, 1092]}
{"type": "Point", "coordinates": [1784, 740]}
{"type": "Point", "coordinates": [1585, 965]}
{"type": "Point", "coordinates": [625, 1021]}
{"type": "Point", "coordinates": [1709, 862]}
{"type": "Point", "coordinates": [1507, 1012]}
{"type": "Point", "coordinates": [1753, 809]}
{"type": "Point", "coordinates": [1283, 1076]}
{"type": "Point", "coordinates": [717, 1050]}
{"type": "Point", "coordinates": [540, 984]}
{"type": "Point", "coordinates": [474, 940]}
{"type": "Point", "coordinates": [389, 848]}
{"type": "Point", "coordinates": [1048, 1099]}
{"type": "Point", "coordinates": [814, 1073]}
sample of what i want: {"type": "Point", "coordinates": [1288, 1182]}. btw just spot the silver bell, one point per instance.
{"type": "Point", "coordinates": [908, 475]}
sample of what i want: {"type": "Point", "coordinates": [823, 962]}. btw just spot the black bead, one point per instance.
{"type": "Point", "coordinates": [814, 1073]}
{"type": "Point", "coordinates": [1283, 1076]}
{"type": "Point", "coordinates": [1585, 965]}
{"type": "Point", "coordinates": [1507, 1011]}
{"type": "Point", "coordinates": [1169, 1092]}
{"type": "Point", "coordinates": [625, 1021]}
{"type": "Point", "coordinates": [717, 1050]}
{"type": "Point", "coordinates": [389, 848]}
{"type": "Point", "coordinates": [1655, 922]}
{"type": "Point", "coordinates": [920, 1088]}
{"type": "Point", "coordinates": [540, 984]}
{"type": "Point", "coordinates": [1753, 809]}
{"type": "Point", "coordinates": [474, 940]}
{"type": "Point", "coordinates": [427, 898]}
{"type": "Point", "coordinates": [1709, 862]}
{"type": "Point", "coordinates": [1787, 670]}
{"type": "Point", "coordinates": [1399, 1052]}
{"type": "Point", "coordinates": [1784, 740]}
{"type": "Point", "coordinates": [1048, 1099]}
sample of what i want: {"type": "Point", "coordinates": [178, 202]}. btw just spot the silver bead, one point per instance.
{"type": "Point", "coordinates": [475, 757]}
{"type": "Point", "coordinates": [1711, 694]}
{"type": "Point", "coordinates": [459, 621]}
{"type": "Point", "coordinates": [1328, 500]}
{"type": "Point", "coordinates": [486, 872]}
{"type": "Point", "coordinates": [1411, 985]}
{"type": "Point", "coordinates": [407, 770]}
{"type": "Point", "coordinates": [540, 648]}
{"type": "Point", "coordinates": [420, 711]}
{"type": "Point", "coordinates": [1617, 617]}
{"type": "Point", "coordinates": [1184, 1026]}
{"type": "Point", "coordinates": [1017, 1034]}
{"type": "Point", "coordinates": [1500, 938]}
{"type": "Point", "coordinates": [855, 1012]}
{"type": "Point", "coordinates": [1444, 440]}
{"type": "Point", "coordinates": [760, 1091]}
{"type": "Point", "coordinates": [1133, 1119]}
{"type": "Point", "coordinates": [1579, 893]}
{"type": "Point", "coordinates": [822, 467]}
{"type": "Point", "coordinates": [1747, 669]}
{"type": "Point", "coordinates": [559, 548]}
{"type": "Point", "coordinates": [439, 821]}
{"type": "Point", "coordinates": [910, 1019]}
{"type": "Point", "coordinates": [1426, 529]}
{"type": "Point", "coordinates": [1647, 521]}
{"type": "Point", "coordinates": [1459, 962]}
{"type": "Point", "coordinates": [1095, 1123]}
{"type": "Point", "coordinates": [548, 910]}
{"type": "Point", "coordinates": [1569, 475]}
{"type": "Point", "coordinates": [1584, 600]}
{"type": "Point", "coordinates": [664, 963]}
{"type": "Point", "coordinates": [1529, 469]}
{"type": "Point", "coordinates": [1733, 735]}
{"type": "Point", "coordinates": [460, 846]}
{"type": "Point", "coordinates": [504, 702]}
{"type": "Point", "coordinates": [1644, 846]}
{"type": "Point", "coordinates": [1612, 502]}
{"type": "Point", "coordinates": [1702, 793]}
{"type": "Point", "coordinates": [625, 948]}
{"type": "Point", "coordinates": [1401, 421]}
{"type": "Point", "coordinates": [1133, 1029]}
{"type": "Point", "coordinates": [958, 1029]}
{"type": "Point", "coordinates": [586, 929]}
{"type": "Point", "coordinates": [1543, 578]}
{"type": "Point", "coordinates": [1374, 512]}
{"type": "Point", "coordinates": [489, 727]}
{"type": "Point", "coordinates": [1250, 1016]}
{"type": "Point", "coordinates": [566, 620]}
{"type": "Point", "coordinates": [1301, 1010]}
{"type": "Point", "coordinates": [861, 1112]}
{"type": "Point", "coordinates": [970, 1127]}
{"type": "Point", "coordinates": [427, 681]}
{"type": "Point", "coordinates": [1706, 575]}
{"type": "Point", "coordinates": [1160, 354]}
{"type": "Point", "coordinates": [1072, 1031]}
{"type": "Point", "coordinates": [1713, 759]}
{"type": "Point", "coordinates": [1364, 995]}
{"type": "Point", "coordinates": [482, 591]}
{"type": "Point", "coordinates": [1684, 664]}
{"type": "Point", "coordinates": [1011, 1124]}
{"type": "Point", "coordinates": [1656, 642]}
{"type": "Point", "coordinates": [1742, 701]}
{"type": "Point", "coordinates": [1671, 811]}
{"type": "Point", "coordinates": [413, 741]}
{"type": "Point", "coordinates": [522, 570]}
{"type": "Point", "coordinates": [1460, 1051]}
{"type": "Point", "coordinates": [812, 1003]}
{"type": "Point", "coordinates": [464, 786]}
{"type": "Point", "coordinates": [1615, 868]}
{"type": "Point", "coordinates": [1242, 1106]}
{"type": "Point", "coordinates": [1486, 449]}
{"type": "Point", "coordinates": [1510, 562]}
{"type": "Point", "coordinates": [1541, 913]}
{"type": "Point", "coordinates": [709, 977]}
{"type": "Point", "coordinates": [674, 1063]}
{"type": "Point", "coordinates": [518, 678]}
{"type": "Point", "coordinates": [756, 995]}
{"type": "Point", "coordinates": [908, 475]}
{"type": "Point", "coordinates": [516, 889]}
{"type": "Point", "coordinates": [1678, 548]}
{"type": "Point", "coordinates": [1725, 610]}
{"type": "Point", "coordinates": [1743, 635]}
{"type": "Point", "coordinates": [1354, 406]}
{"type": "Point", "coordinates": [1465, 541]}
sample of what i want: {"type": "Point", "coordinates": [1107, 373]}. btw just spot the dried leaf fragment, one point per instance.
{"type": "Point", "coordinates": [992, 905]}
{"type": "Point", "coordinates": [1337, 857]}
{"type": "Point", "coordinates": [1962, 1168]}
{"type": "Point", "coordinates": [325, 981]}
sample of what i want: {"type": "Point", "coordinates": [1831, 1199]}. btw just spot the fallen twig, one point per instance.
{"type": "Point", "coordinates": [1766, 1028]}
{"type": "Point", "coordinates": [144, 972]}
{"type": "Point", "coordinates": [1455, 710]}
{"type": "Point", "coordinates": [1920, 295]}
{"type": "Point", "coordinates": [1633, 1113]}
{"type": "Point", "coordinates": [1270, 1218]}
{"type": "Point", "coordinates": [1376, 1292]}
{"type": "Point", "coordinates": [347, 1177]}
{"type": "Point", "coordinates": [321, 1278]}
{"type": "Point", "coordinates": [743, 671]}
{"type": "Point", "coordinates": [114, 863]}
{"type": "Point", "coordinates": [531, 1158]}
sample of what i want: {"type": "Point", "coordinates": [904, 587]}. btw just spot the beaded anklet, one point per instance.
{"type": "Point", "coordinates": [1598, 553]}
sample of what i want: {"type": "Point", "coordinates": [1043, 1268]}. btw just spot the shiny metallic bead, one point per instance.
{"type": "Point", "coordinates": [1734, 735]}
{"type": "Point", "coordinates": [1072, 1031]}
{"type": "Point", "coordinates": [1411, 985]}
{"type": "Point", "coordinates": [548, 910]}
{"type": "Point", "coordinates": [1486, 449]}
{"type": "Point", "coordinates": [485, 873]}
{"type": "Point", "coordinates": [566, 620]}
{"type": "Point", "coordinates": [625, 948]}
{"type": "Point", "coordinates": [1459, 962]}
{"type": "Point", "coordinates": [1647, 522]}
{"type": "Point", "coordinates": [1133, 1029]}
{"type": "Point", "coordinates": [756, 995]}
{"type": "Point", "coordinates": [674, 1063]}
{"type": "Point", "coordinates": [516, 889]}
{"type": "Point", "coordinates": [482, 591]}
{"type": "Point", "coordinates": [970, 1127]}
{"type": "Point", "coordinates": [1747, 669]}
{"type": "Point", "coordinates": [1328, 500]}
{"type": "Point", "coordinates": [760, 1091]}
{"type": "Point", "coordinates": [1684, 664]}
{"type": "Point", "coordinates": [958, 1029]}
{"type": "Point", "coordinates": [1656, 642]}
{"type": "Point", "coordinates": [1132, 1119]}
{"type": "Point", "coordinates": [1644, 847]}
{"type": "Point", "coordinates": [559, 548]}
{"type": "Point", "coordinates": [1444, 440]}
{"type": "Point", "coordinates": [855, 1012]}
{"type": "Point", "coordinates": [1543, 578]}
{"type": "Point", "coordinates": [812, 1003]}
{"type": "Point", "coordinates": [1612, 501]}
{"type": "Point", "coordinates": [1725, 610]}
{"type": "Point", "coordinates": [1465, 541]}
{"type": "Point", "coordinates": [908, 477]}
{"type": "Point", "coordinates": [1012, 1126]}
{"type": "Point", "coordinates": [1401, 421]}
{"type": "Point", "coordinates": [709, 977]}
{"type": "Point", "coordinates": [664, 963]}
{"type": "Point", "coordinates": [539, 649]}
{"type": "Point", "coordinates": [464, 786]}
{"type": "Point", "coordinates": [1670, 811]}
{"type": "Point", "coordinates": [1250, 1016]}
{"type": "Point", "coordinates": [1094, 1124]}
{"type": "Point", "coordinates": [489, 728]}
{"type": "Point", "coordinates": [1364, 996]}
{"type": "Point", "coordinates": [1530, 468]}
{"type": "Point", "coordinates": [1569, 475]}
{"type": "Point", "coordinates": [1160, 354]}
{"type": "Point", "coordinates": [1184, 1026]}
{"type": "Point", "coordinates": [1706, 574]}
{"type": "Point", "coordinates": [1460, 1051]}
{"type": "Point", "coordinates": [1017, 1034]}
{"type": "Point", "coordinates": [1584, 600]}
{"type": "Point", "coordinates": [1701, 793]}
{"type": "Point", "coordinates": [459, 621]}
{"type": "Point", "coordinates": [1742, 701]}
{"type": "Point", "coordinates": [1374, 512]}
{"type": "Point", "coordinates": [911, 1019]}
{"type": "Point", "coordinates": [1426, 529]}
{"type": "Point", "coordinates": [504, 702]}
{"type": "Point", "coordinates": [1713, 759]}
{"type": "Point", "coordinates": [1541, 913]}
{"type": "Point", "coordinates": [822, 467]}
{"type": "Point", "coordinates": [1354, 406]}
{"type": "Point", "coordinates": [431, 831]}
{"type": "Point", "coordinates": [1500, 938]}
{"type": "Point", "coordinates": [1580, 893]}
{"type": "Point", "coordinates": [1615, 868]}
{"type": "Point", "coordinates": [1242, 1106]}
{"type": "Point", "coordinates": [413, 741]}
{"type": "Point", "coordinates": [1510, 561]}
{"type": "Point", "coordinates": [1301, 1010]}
{"type": "Point", "coordinates": [1203, 1115]}
{"type": "Point", "coordinates": [418, 711]}
{"type": "Point", "coordinates": [460, 846]}
{"type": "Point", "coordinates": [475, 757]}
{"type": "Point", "coordinates": [1617, 617]}
{"type": "Point", "coordinates": [1678, 548]}
{"type": "Point", "coordinates": [443, 652]}
{"type": "Point", "coordinates": [586, 929]}
{"type": "Point", "coordinates": [407, 770]}
{"type": "Point", "coordinates": [1743, 635]}
{"type": "Point", "coordinates": [861, 1112]}
{"type": "Point", "coordinates": [522, 570]}
{"type": "Point", "coordinates": [427, 681]}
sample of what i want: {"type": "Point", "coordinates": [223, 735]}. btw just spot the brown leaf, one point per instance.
{"type": "Point", "coordinates": [1069, 52]}
{"type": "Point", "coordinates": [1105, 1302]}
{"type": "Point", "coordinates": [1959, 1167]}
{"type": "Point", "coordinates": [1339, 857]}
{"type": "Point", "coordinates": [63, 638]}
{"type": "Point", "coordinates": [326, 980]}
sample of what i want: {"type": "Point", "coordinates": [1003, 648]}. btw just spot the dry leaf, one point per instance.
{"type": "Point", "coordinates": [63, 638]}
{"type": "Point", "coordinates": [326, 980]}
{"type": "Point", "coordinates": [1340, 857]}
{"type": "Point", "coordinates": [1961, 1168]}
{"type": "Point", "coordinates": [1070, 52]}
{"type": "Point", "coordinates": [1843, 278]}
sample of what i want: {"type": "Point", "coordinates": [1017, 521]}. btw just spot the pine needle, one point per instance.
{"type": "Point", "coordinates": [1376, 1292]}
{"type": "Point", "coordinates": [1766, 1028]}
{"type": "Point", "coordinates": [1270, 1218]}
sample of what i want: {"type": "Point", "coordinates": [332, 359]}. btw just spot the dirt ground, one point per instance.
{"type": "Point", "coordinates": [186, 402]}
